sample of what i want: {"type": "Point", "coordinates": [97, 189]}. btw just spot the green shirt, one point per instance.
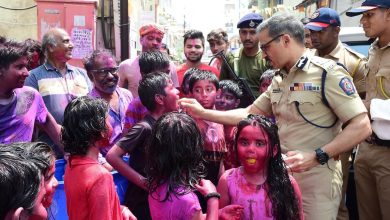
{"type": "Point", "coordinates": [248, 68]}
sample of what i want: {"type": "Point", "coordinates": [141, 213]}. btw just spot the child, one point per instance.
{"type": "Point", "coordinates": [265, 80]}
{"type": "Point", "coordinates": [21, 108]}
{"type": "Point", "coordinates": [261, 185]}
{"type": "Point", "coordinates": [89, 187]}
{"type": "Point", "coordinates": [229, 95]}
{"type": "Point", "coordinates": [203, 87]}
{"type": "Point", "coordinates": [27, 181]}
{"type": "Point", "coordinates": [175, 169]}
{"type": "Point", "coordinates": [158, 95]}
{"type": "Point", "coordinates": [185, 85]}
{"type": "Point", "coordinates": [149, 62]}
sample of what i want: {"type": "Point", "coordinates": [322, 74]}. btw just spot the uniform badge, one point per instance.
{"type": "Point", "coordinates": [304, 86]}
{"type": "Point", "coordinates": [347, 86]}
{"type": "Point", "coordinates": [302, 62]}
{"type": "Point", "coordinates": [252, 24]}
{"type": "Point", "coordinates": [315, 15]}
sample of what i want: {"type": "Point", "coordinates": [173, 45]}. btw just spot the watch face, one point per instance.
{"type": "Point", "coordinates": [321, 156]}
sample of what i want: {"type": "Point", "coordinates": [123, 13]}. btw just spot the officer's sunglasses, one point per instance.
{"type": "Point", "coordinates": [103, 73]}
{"type": "Point", "coordinates": [265, 47]}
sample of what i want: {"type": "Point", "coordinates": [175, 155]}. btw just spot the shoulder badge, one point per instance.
{"type": "Point", "coordinates": [347, 86]}
{"type": "Point", "coordinates": [315, 15]}
{"type": "Point", "coordinates": [326, 64]}
{"type": "Point", "coordinates": [252, 24]}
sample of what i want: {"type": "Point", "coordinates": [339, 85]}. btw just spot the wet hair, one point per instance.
{"type": "Point", "coordinates": [90, 61]}
{"type": "Point", "coordinates": [153, 61]}
{"type": "Point", "coordinates": [279, 188]}
{"type": "Point", "coordinates": [203, 75]}
{"type": "Point", "coordinates": [232, 87]}
{"type": "Point", "coordinates": [150, 86]}
{"type": "Point", "coordinates": [10, 52]}
{"type": "Point", "coordinates": [84, 124]}
{"type": "Point", "coordinates": [217, 35]}
{"type": "Point", "coordinates": [174, 155]}
{"type": "Point", "coordinates": [193, 34]}
{"type": "Point", "coordinates": [268, 74]}
{"type": "Point", "coordinates": [34, 46]}
{"type": "Point", "coordinates": [283, 24]}
{"type": "Point", "coordinates": [186, 80]}
{"type": "Point", "coordinates": [22, 166]}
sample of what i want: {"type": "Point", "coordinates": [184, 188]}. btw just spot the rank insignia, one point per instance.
{"type": "Point", "coordinates": [304, 87]}
{"type": "Point", "coordinates": [347, 86]}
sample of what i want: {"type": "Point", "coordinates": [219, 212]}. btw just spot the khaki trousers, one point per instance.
{"type": "Point", "coordinates": [372, 177]}
{"type": "Point", "coordinates": [321, 191]}
{"type": "Point", "coordinates": [345, 164]}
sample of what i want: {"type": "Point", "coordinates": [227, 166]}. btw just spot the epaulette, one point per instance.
{"type": "Point", "coordinates": [358, 55]}
{"type": "Point", "coordinates": [325, 64]}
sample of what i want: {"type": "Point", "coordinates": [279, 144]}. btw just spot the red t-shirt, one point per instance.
{"type": "Point", "coordinates": [183, 68]}
{"type": "Point", "coordinates": [90, 191]}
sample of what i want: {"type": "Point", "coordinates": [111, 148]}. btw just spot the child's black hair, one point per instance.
{"type": "Point", "coordinates": [203, 75]}
{"type": "Point", "coordinates": [279, 188]}
{"type": "Point", "coordinates": [153, 61]}
{"type": "Point", "coordinates": [151, 85]}
{"type": "Point", "coordinates": [186, 80]}
{"type": "Point", "coordinates": [84, 124]}
{"type": "Point", "coordinates": [232, 87]}
{"type": "Point", "coordinates": [174, 155]}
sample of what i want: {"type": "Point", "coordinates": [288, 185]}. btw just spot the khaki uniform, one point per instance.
{"type": "Point", "coordinates": [320, 186]}
{"type": "Point", "coordinates": [355, 64]}
{"type": "Point", "coordinates": [372, 163]}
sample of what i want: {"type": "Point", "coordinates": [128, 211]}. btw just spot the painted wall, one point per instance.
{"type": "Point", "coordinates": [18, 24]}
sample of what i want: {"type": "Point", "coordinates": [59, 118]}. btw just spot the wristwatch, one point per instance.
{"type": "Point", "coordinates": [321, 156]}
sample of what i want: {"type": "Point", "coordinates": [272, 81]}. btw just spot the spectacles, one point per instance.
{"type": "Point", "coordinates": [265, 46]}
{"type": "Point", "coordinates": [104, 72]}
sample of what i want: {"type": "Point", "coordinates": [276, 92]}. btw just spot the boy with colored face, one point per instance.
{"type": "Point", "coordinates": [159, 95]}
{"type": "Point", "coordinates": [21, 108]}
{"type": "Point", "coordinates": [228, 98]}
{"type": "Point", "coordinates": [203, 87]}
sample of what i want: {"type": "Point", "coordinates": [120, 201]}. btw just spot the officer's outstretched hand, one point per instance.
{"type": "Point", "coordinates": [191, 106]}
{"type": "Point", "coordinates": [298, 161]}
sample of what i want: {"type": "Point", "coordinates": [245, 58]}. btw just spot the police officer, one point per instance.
{"type": "Point", "coordinates": [372, 164]}
{"type": "Point", "coordinates": [247, 62]}
{"type": "Point", "coordinates": [324, 26]}
{"type": "Point", "coordinates": [296, 98]}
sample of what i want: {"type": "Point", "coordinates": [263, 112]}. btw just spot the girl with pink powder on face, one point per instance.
{"type": "Point", "coordinates": [261, 184]}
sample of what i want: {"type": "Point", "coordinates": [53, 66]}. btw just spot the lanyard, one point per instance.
{"type": "Point", "coordinates": [382, 89]}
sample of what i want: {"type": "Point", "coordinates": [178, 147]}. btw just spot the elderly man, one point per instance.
{"type": "Point", "coordinates": [247, 62]}
{"type": "Point", "coordinates": [304, 111]}
{"type": "Point", "coordinates": [129, 70]}
{"type": "Point", "coordinates": [56, 80]}
{"type": "Point", "coordinates": [103, 72]}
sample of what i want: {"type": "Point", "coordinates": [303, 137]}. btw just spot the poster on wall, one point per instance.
{"type": "Point", "coordinates": [82, 42]}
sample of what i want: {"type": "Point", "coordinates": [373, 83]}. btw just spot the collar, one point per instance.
{"type": "Point", "coordinates": [376, 46]}
{"type": "Point", "coordinates": [336, 52]}
{"type": "Point", "coordinates": [81, 160]}
{"type": "Point", "coordinates": [50, 67]}
{"type": "Point", "coordinates": [302, 63]}
{"type": "Point", "coordinates": [96, 94]}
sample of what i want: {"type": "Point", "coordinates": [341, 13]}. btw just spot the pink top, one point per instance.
{"type": "Point", "coordinates": [176, 207]}
{"type": "Point", "coordinates": [252, 197]}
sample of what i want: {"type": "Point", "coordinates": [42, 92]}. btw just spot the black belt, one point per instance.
{"type": "Point", "coordinates": [374, 139]}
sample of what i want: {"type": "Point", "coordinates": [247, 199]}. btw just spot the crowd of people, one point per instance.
{"type": "Point", "coordinates": [199, 147]}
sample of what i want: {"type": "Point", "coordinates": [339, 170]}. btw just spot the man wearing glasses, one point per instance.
{"type": "Point", "coordinates": [103, 72]}
{"type": "Point", "coordinates": [56, 80]}
{"type": "Point", "coordinates": [247, 62]}
{"type": "Point", "coordinates": [309, 130]}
